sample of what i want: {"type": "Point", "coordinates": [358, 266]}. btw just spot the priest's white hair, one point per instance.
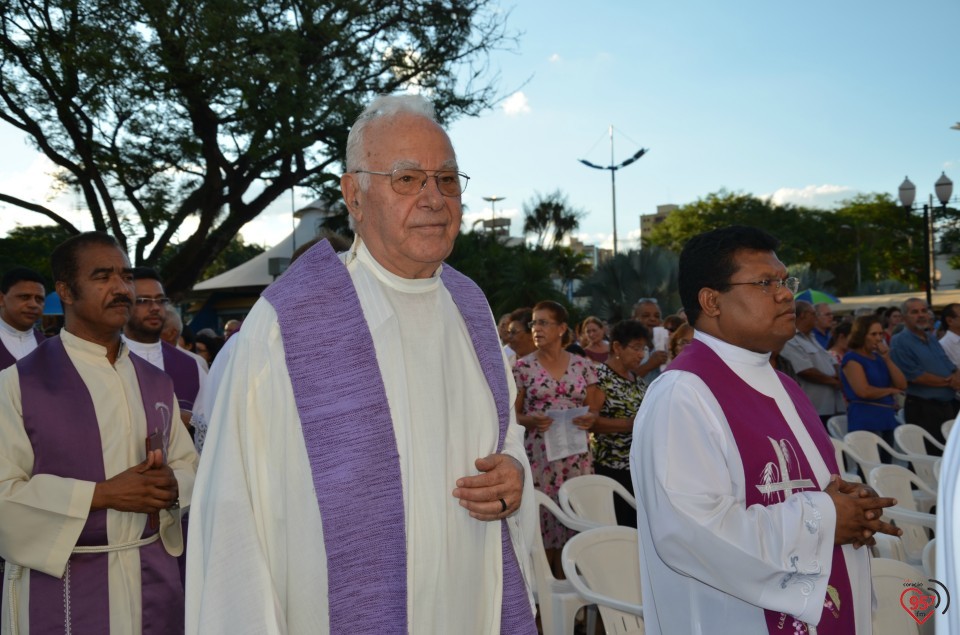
{"type": "Point", "coordinates": [382, 106]}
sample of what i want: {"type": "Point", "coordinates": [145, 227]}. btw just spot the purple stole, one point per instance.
{"type": "Point", "coordinates": [6, 357]}
{"type": "Point", "coordinates": [60, 420]}
{"type": "Point", "coordinates": [184, 372]}
{"type": "Point", "coordinates": [356, 476]}
{"type": "Point", "coordinates": [762, 436]}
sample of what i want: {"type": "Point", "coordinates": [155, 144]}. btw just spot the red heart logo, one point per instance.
{"type": "Point", "coordinates": [919, 605]}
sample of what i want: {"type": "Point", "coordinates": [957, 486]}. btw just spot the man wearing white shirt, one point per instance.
{"type": "Point", "coordinates": [744, 527]}
{"type": "Point", "coordinates": [142, 335]}
{"type": "Point", "coordinates": [950, 317]}
{"type": "Point", "coordinates": [364, 471]}
{"type": "Point", "coordinates": [21, 306]}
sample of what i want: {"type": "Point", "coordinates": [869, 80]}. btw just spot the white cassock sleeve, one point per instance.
{"type": "Point", "coordinates": [699, 542]}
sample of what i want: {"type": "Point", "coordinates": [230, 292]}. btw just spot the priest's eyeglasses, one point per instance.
{"type": "Point", "coordinates": [410, 182]}
{"type": "Point", "coordinates": [160, 302]}
{"type": "Point", "coordinates": [792, 284]}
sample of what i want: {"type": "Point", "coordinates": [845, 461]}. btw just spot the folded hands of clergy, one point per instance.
{"type": "Point", "coordinates": [858, 513]}
{"type": "Point", "coordinates": [145, 488]}
{"type": "Point", "coordinates": [501, 479]}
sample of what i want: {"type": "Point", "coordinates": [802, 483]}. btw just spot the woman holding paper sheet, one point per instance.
{"type": "Point", "coordinates": [551, 379]}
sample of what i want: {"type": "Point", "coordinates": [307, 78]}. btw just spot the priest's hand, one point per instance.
{"type": "Point", "coordinates": [496, 493]}
{"type": "Point", "coordinates": [858, 513]}
{"type": "Point", "coordinates": [145, 488]}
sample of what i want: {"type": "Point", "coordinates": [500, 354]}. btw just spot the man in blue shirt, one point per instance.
{"type": "Point", "coordinates": [932, 379]}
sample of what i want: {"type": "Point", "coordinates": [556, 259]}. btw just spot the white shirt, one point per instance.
{"type": "Point", "coordinates": [951, 346]}
{"type": "Point", "coordinates": [257, 561]}
{"type": "Point", "coordinates": [948, 526]}
{"type": "Point", "coordinates": [19, 343]}
{"type": "Point", "coordinates": [708, 563]}
{"type": "Point", "coordinates": [44, 515]}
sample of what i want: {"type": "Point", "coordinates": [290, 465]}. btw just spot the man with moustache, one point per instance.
{"type": "Point", "coordinates": [93, 466]}
{"type": "Point", "coordinates": [21, 306]}
{"type": "Point", "coordinates": [364, 471]}
{"type": "Point", "coordinates": [745, 527]}
{"type": "Point", "coordinates": [932, 379]}
{"type": "Point", "coordinates": [142, 333]}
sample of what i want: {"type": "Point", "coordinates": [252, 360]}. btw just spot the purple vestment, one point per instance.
{"type": "Point", "coordinates": [184, 372]}
{"type": "Point", "coordinates": [761, 433]}
{"type": "Point", "coordinates": [61, 423]}
{"type": "Point", "coordinates": [6, 357]}
{"type": "Point", "coordinates": [360, 471]}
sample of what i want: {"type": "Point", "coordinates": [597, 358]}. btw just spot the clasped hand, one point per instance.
{"type": "Point", "coordinates": [146, 488]}
{"type": "Point", "coordinates": [502, 479]}
{"type": "Point", "coordinates": [859, 509]}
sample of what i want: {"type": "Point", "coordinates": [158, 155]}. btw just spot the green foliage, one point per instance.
{"type": "Point", "coordinates": [31, 246]}
{"type": "Point", "coordinates": [889, 241]}
{"type": "Point", "coordinates": [161, 111]}
{"type": "Point", "coordinates": [550, 218]}
{"type": "Point", "coordinates": [617, 284]}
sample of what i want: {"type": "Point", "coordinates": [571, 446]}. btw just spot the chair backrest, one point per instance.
{"type": "Point", "coordinates": [888, 585]}
{"type": "Point", "coordinates": [547, 586]}
{"type": "Point", "coordinates": [837, 426]}
{"type": "Point", "coordinates": [910, 438]}
{"type": "Point", "coordinates": [929, 558]}
{"type": "Point", "coordinates": [902, 484]}
{"type": "Point", "coordinates": [863, 447]}
{"type": "Point", "coordinates": [842, 451]}
{"type": "Point", "coordinates": [887, 546]}
{"type": "Point", "coordinates": [603, 564]}
{"type": "Point", "coordinates": [590, 497]}
{"type": "Point", "coordinates": [946, 427]}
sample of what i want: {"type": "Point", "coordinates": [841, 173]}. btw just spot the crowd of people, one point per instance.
{"type": "Point", "coordinates": [371, 438]}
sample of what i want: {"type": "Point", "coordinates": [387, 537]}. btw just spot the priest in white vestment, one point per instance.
{"type": "Point", "coordinates": [258, 560]}
{"type": "Point", "coordinates": [731, 541]}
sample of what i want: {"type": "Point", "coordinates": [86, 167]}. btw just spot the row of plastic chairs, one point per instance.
{"type": "Point", "coordinates": [837, 428]}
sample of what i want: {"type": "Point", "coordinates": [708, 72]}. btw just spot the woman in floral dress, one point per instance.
{"type": "Point", "coordinates": [550, 378]}
{"type": "Point", "coordinates": [623, 391]}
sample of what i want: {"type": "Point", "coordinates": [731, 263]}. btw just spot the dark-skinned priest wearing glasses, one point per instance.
{"type": "Point", "coordinates": [745, 527]}
{"type": "Point", "coordinates": [363, 469]}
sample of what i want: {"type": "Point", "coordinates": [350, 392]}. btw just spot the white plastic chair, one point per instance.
{"type": "Point", "coordinates": [898, 482]}
{"type": "Point", "coordinates": [842, 452]}
{"type": "Point", "coordinates": [946, 427]}
{"type": "Point", "coordinates": [929, 558]}
{"type": "Point", "coordinates": [604, 567]}
{"type": "Point", "coordinates": [590, 497]}
{"type": "Point", "coordinates": [837, 426]}
{"type": "Point", "coordinates": [865, 448]}
{"type": "Point", "coordinates": [909, 438]}
{"type": "Point", "coordinates": [888, 585]}
{"type": "Point", "coordinates": [558, 600]}
{"type": "Point", "coordinates": [887, 546]}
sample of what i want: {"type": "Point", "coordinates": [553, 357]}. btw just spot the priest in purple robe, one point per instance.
{"type": "Point", "coordinates": [745, 527]}
{"type": "Point", "coordinates": [151, 307]}
{"type": "Point", "coordinates": [363, 470]}
{"type": "Point", "coordinates": [95, 467]}
{"type": "Point", "coordinates": [21, 306]}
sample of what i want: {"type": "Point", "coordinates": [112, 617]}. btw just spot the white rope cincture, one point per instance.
{"type": "Point", "coordinates": [14, 573]}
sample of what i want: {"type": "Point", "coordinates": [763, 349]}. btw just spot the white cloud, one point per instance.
{"type": "Point", "coordinates": [822, 196]}
{"type": "Point", "coordinates": [516, 104]}
{"type": "Point", "coordinates": [555, 58]}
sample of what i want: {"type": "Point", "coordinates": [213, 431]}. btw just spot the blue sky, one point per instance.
{"type": "Point", "coordinates": [807, 102]}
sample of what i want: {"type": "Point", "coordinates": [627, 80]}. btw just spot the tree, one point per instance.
{"type": "Point", "coordinates": [30, 246]}
{"type": "Point", "coordinates": [550, 218]}
{"type": "Point", "coordinates": [617, 284]}
{"type": "Point", "coordinates": [160, 111]}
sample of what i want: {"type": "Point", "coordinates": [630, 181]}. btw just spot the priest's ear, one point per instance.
{"type": "Point", "coordinates": [709, 302]}
{"type": "Point", "coordinates": [352, 194]}
{"type": "Point", "coordinates": [64, 291]}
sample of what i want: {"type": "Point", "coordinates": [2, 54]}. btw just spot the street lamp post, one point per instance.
{"type": "Point", "coordinates": [908, 193]}
{"type": "Point", "coordinates": [613, 167]}
{"type": "Point", "coordinates": [493, 204]}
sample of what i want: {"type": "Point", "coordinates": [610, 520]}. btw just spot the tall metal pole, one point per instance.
{"type": "Point", "coordinates": [928, 248]}
{"type": "Point", "coordinates": [613, 191]}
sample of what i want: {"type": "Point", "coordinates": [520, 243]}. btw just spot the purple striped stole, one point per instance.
{"type": "Point", "coordinates": [761, 433]}
{"type": "Point", "coordinates": [335, 388]}
{"type": "Point", "coordinates": [184, 372]}
{"type": "Point", "coordinates": [61, 422]}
